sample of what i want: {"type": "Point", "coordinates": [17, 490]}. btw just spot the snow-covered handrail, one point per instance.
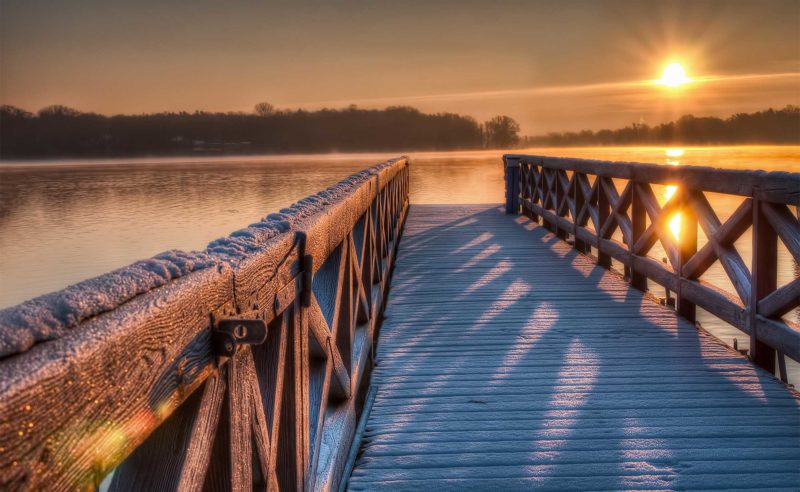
{"type": "Point", "coordinates": [123, 368]}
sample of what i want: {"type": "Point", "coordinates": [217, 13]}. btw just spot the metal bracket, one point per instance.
{"type": "Point", "coordinates": [230, 334]}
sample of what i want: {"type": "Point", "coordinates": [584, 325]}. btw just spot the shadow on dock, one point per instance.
{"type": "Point", "coordinates": [508, 360]}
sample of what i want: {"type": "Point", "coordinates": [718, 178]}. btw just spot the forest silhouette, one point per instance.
{"type": "Point", "coordinates": [763, 127]}
{"type": "Point", "coordinates": [63, 131]}
{"type": "Point", "coordinates": [60, 131]}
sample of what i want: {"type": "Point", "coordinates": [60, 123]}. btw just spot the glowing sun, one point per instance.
{"type": "Point", "coordinates": [674, 75]}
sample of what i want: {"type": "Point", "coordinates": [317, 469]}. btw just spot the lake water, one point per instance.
{"type": "Point", "coordinates": [65, 221]}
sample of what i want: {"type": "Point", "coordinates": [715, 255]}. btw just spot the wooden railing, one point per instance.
{"type": "Point", "coordinates": [580, 198]}
{"type": "Point", "coordinates": [181, 388]}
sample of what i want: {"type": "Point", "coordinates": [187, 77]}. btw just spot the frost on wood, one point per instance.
{"type": "Point", "coordinates": [50, 316]}
{"type": "Point", "coordinates": [252, 239]}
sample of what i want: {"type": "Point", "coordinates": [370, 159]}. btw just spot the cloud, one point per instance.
{"type": "Point", "coordinates": [588, 89]}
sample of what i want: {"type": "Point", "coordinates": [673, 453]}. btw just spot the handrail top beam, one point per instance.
{"type": "Point", "coordinates": [771, 186]}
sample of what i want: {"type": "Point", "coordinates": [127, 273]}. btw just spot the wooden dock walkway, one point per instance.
{"type": "Point", "coordinates": [506, 360]}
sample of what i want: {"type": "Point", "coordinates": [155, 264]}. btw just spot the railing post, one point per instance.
{"type": "Point", "coordinates": [578, 199]}
{"type": "Point", "coordinates": [546, 191]}
{"type": "Point", "coordinates": [638, 226]}
{"type": "Point", "coordinates": [687, 247]}
{"type": "Point", "coordinates": [603, 213]}
{"type": "Point", "coordinates": [511, 167]}
{"type": "Point", "coordinates": [535, 188]}
{"type": "Point", "coordinates": [559, 191]}
{"type": "Point", "coordinates": [765, 281]}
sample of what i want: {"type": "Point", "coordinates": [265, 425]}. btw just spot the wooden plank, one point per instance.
{"type": "Point", "coordinates": [241, 376]}
{"type": "Point", "coordinates": [193, 471]}
{"type": "Point", "coordinates": [260, 427]}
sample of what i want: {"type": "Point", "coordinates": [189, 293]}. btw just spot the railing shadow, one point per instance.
{"type": "Point", "coordinates": [505, 354]}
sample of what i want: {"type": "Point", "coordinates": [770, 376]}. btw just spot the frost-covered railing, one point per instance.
{"type": "Point", "coordinates": [580, 198]}
{"type": "Point", "coordinates": [160, 371]}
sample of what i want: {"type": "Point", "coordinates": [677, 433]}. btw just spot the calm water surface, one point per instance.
{"type": "Point", "coordinates": [65, 221]}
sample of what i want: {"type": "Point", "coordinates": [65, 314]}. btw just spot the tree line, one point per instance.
{"type": "Point", "coordinates": [63, 131]}
{"type": "Point", "coordinates": [771, 126]}
{"type": "Point", "coordinates": [60, 131]}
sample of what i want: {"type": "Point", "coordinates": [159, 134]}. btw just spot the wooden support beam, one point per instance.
{"type": "Point", "coordinates": [603, 216]}
{"type": "Point", "coordinates": [579, 184]}
{"type": "Point", "coordinates": [787, 226]}
{"type": "Point", "coordinates": [765, 280]}
{"type": "Point", "coordinates": [781, 301]}
{"type": "Point", "coordinates": [511, 167]}
{"type": "Point", "coordinates": [638, 225]}
{"type": "Point", "coordinates": [561, 196]}
{"type": "Point", "coordinates": [687, 247]}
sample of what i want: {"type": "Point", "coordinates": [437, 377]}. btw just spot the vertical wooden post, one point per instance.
{"type": "Point", "coordinates": [511, 167]}
{"type": "Point", "coordinates": [687, 247]}
{"type": "Point", "coordinates": [765, 281]}
{"type": "Point", "coordinates": [545, 204]}
{"type": "Point", "coordinates": [533, 187]}
{"type": "Point", "coordinates": [577, 195]}
{"type": "Point", "coordinates": [603, 212]}
{"type": "Point", "coordinates": [560, 232]}
{"type": "Point", "coordinates": [301, 388]}
{"type": "Point", "coordinates": [638, 226]}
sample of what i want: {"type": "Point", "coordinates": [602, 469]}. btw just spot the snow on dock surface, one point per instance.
{"type": "Point", "coordinates": [507, 361]}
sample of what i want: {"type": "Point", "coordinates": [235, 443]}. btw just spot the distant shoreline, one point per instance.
{"type": "Point", "coordinates": [59, 132]}
{"type": "Point", "coordinates": [195, 159]}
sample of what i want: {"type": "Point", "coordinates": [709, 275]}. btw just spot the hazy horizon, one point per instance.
{"type": "Point", "coordinates": [553, 67]}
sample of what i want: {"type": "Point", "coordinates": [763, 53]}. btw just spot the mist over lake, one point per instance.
{"type": "Point", "coordinates": [67, 220]}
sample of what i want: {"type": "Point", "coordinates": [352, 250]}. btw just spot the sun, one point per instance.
{"type": "Point", "coordinates": [674, 76]}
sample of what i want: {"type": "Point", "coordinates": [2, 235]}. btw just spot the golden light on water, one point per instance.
{"type": "Point", "coordinates": [669, 192]}
{"type": "Point", "coordinates": [674, 153]}
{"type": "Point", "coordinates": [674, 76]}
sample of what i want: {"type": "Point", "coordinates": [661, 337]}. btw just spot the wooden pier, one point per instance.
{"type": "Point", "coordinates": [354, 341]}
{"type": "Point", "coordinates": [509, 361]}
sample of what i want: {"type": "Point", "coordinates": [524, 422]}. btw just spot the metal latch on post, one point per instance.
{"type": "Point", "coordinates": [230, 334]}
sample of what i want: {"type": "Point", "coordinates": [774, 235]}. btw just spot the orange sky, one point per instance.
{"type": "Point", "coordinates": [551, 65]}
